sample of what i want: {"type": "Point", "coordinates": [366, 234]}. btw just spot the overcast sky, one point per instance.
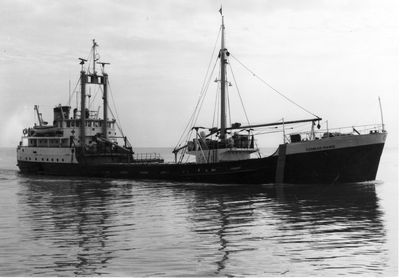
{"type": "Point", "coordinates": [332, 57]}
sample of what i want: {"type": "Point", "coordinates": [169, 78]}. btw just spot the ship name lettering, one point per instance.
{"type": "Point", "coordinates": [320, 148]}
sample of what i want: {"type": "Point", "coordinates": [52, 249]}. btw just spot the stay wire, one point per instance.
{"type": "Point", "coordinates": [202, 91]}
{"type": "Point", "coordinates": [115, 109]}
{"type": "Point", "coordinates": [244, 109]}
{"type": "Point", "coordinates": [71, 93]}
{"type": "Point", "coordinates": [240, 97]}
{"type": "Point", "coordinates": [275, 90]}
{"type": "Point", "coordinates": [95, 95]}
{"type": "Point", "coordinates": [211, 58]}
{"type": "Point", "coordinates": [229, 105]}
{"type": "Point", "coordinates": [196, 112]}
{"type": "Point", "coordinates": [215, 107]}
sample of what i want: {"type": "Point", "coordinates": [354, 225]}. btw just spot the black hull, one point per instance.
{"type": "Point", "coordinates": [352, 164]}
{"type": "Point", "coordinates": [355, 164]}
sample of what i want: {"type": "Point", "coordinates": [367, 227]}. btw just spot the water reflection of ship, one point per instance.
{"type": "Point", "coordinates": [351, 202]}
{"type": "Point", "coordinates": [226, 213]}
{"type": "Point", "coordinates": [74, 216]}
{"type": "Point", "coordinates": [78, 219]}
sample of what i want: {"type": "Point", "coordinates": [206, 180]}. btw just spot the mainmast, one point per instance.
{"type": "Point", "coordinates": [222, 54]}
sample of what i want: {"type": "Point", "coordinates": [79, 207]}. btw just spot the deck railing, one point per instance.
{"type": "Point", "coordinates": [340, 131]}
{"type": "Point", "coordinates": [147, 156]}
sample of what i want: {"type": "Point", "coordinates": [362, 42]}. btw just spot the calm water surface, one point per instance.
{"type": "Point", "coordinates": [64, 227]}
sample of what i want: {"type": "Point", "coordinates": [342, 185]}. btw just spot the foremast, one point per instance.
{"type": "Point", "coordinates": [86, 78]}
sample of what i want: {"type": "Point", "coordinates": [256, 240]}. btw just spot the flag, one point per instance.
{"type": "Point", "coordinates": [220, 10]}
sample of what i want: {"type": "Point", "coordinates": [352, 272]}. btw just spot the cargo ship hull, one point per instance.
{"type": "Point", "coordinates": [332, 160]}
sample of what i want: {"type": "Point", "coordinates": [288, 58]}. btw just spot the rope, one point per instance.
{"type": "Point", "coordinates": [88, 59]}
{"type": "Point", "coordinates": [244, 109]}
{"type": "Point", "coordinates": [196, 112]}
{"type": "Point", "coordinates": [73, 91]}
{"type": "Point", "coordinates": [269, 132]}
{"type": "Point", "coordinates": [215, 108]}
{"type": "Point", "coordinates": [229, 105]}
{"type": "Point", "coordinates": [193, 117]}
{"type": "Point", "coordinates": [204, 94]}
{"type": "Point", "coordinates": [119, 128]}
{"type": "Point", "coordinates": [240, 97]}
{"type": "Point", "coordinates": [275, 90]}
{"type": "Point", "coordinates": [115, 108]}
{"type": "Point", "coordinates": [92, 99]}
{"type": "Point", "coordinates": [212, 55]}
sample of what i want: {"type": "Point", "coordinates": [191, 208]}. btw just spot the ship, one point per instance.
{"type": "Point", "coordinates": [85, 143]}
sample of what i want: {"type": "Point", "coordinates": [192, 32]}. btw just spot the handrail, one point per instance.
{"type": "Point", "coordinates": [367, 127]}
{"type": "Point", "coordinates": [147, 156]}
{"type": "Point", "coordinates": [339, 131]}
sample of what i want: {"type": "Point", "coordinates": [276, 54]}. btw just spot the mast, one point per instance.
{"type": "Point", "coordinates": [92, 78]}
{"type": "Point", "coordinates": [105, 103]}
{"type": "Point", "coordinates": [83, 108]}
{"type": "Point", "coordinates": [94, 56]}
{"type": "Point", "coordinates": [222, 54]}
{"type": "Point", "coordinates": [104, 82]}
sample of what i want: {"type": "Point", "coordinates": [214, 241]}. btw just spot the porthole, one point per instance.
{"type": "Point", "coordinates": [62, 159]}
{"type": "Point", "coordinates": [57, 159]}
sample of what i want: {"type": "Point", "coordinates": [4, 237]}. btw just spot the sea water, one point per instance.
{"type": "Point", "coordinates": [52, 226]}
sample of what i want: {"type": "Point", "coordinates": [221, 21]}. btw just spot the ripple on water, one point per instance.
{"type": "Point", "coordinates": [56, 226]}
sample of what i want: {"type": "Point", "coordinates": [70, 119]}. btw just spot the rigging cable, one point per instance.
{"type": "Point", "coordinates": [215, 108]}
{"type": "Point", "coordinates": [204, 94]}
{"type": "Point", "coordinates": [211, 58]}
{"type": "Point", "coordinates": [91, 101]}
{"type": "Point", "coordinates": [229, 104]}
{"type": "Point", "coordinates": [196, 112]}
{"type": "Point", "coordinates": [202, 91]}
{"type": "Point", "coordinates": [115, 108]}
{"type": "Point", "coordinates": [244, 109]}
{"type": "Point", "coordinates": [195, 116]}
{"type": "Point", "coordinates": [70, 94]}
{"type": "Point", "coordinates": [88, 59]}
{"type": "Point", "coordinates": [275, 90]}
{"type": "Point", "coordinates": [240, 97]}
